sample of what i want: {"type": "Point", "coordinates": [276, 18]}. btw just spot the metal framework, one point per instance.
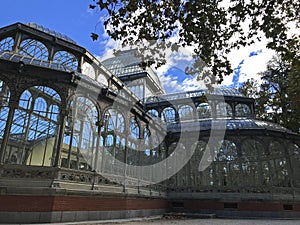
{"type": "Point", "coordinates": [45, 122]}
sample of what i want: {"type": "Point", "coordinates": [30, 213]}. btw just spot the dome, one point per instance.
{"type": "Point", "coordinates": [125, 63]}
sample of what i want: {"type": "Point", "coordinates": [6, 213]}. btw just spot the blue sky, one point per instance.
{"type": "Point", "coordinates": [72, 18]}
{"type": "Point", "coordinates": [76, 20]}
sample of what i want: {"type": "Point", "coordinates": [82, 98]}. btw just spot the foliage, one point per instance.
{"type": "Point", "coordinates": [212, 28]}
{"type": "Point", "coordinates": [277, 97]}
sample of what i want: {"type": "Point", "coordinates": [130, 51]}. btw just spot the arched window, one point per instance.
{"type": "Point", "coordinates": [242, 111]}
{"type": "Point", "coordinates": [227, 165]}
{"type": "Point", "coordinates": [88, 70]}
{"type": "Point", "coordinates": [66, 59]}
{"type": "Point", "coordinates": [204, 110]}
{"type": "Point", "coordinates": [168, 115]}
{"type": "Point", "coordinates": [80, 137]}
{"type": "Point", "coordinates": [113, 130]}
{"type": "Point", "coordinates": [34, 49]}
{"type": "Point", "coordinates": [114, 121]}
{"type": "Point", "coordinates": [102, 79]}
{"type": "Point", "coordinates": [186, 112]}
{"type": "Point", "coordinates": [33, 133]}
{"type": "Point", "coordinates": [6, 44]}
{"type": "Point", "coordinates": [224, 110]}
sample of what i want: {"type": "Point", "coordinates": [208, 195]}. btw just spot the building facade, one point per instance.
{"type": "Point", "coordinates": [89, 140]}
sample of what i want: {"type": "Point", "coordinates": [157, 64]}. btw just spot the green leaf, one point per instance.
{"type": "Point", "coordinates": [94, 36]}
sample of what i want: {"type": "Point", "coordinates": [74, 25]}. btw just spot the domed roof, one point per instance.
{"type": "Point", "coordinates": [126, 63]}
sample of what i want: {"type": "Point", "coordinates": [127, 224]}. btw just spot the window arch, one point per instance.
{"type": "Point", "coordinates": [80, 138]}
{"type": "Point", "coordinates": [186, 112]}
{"type": "Point", "coordinates": [113, 130]}
{"type": "Point", "coordinates": [204, 110]}
{"type": "Point", "coordinates": [227, 166]}
{"type": "Point", "coordinates": [224, 110]}
{"type": "Point", "coordinates": [102, 79]}
{"type": "Point", "coordinates": [88, 70]}
{"type": "Point", "coordinates": [66, 59]}
{"type": "Point", "coordinates": [34, 49]}
{"type": "Point", "coordinates": [168, 115]}
{"type": "Point", "coordinates": [6, 44]}
{"type": "Point", "coordinates": [242, 111]}
{"type": "Point", "coordinates": [33, 133]}
{"type": "Point", "coordinates": [114, 121]}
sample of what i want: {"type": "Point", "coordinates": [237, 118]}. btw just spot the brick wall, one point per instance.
{"type": "Point", "coordinates": [19, 203]}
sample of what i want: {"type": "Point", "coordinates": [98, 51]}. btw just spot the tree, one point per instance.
{"type": "Point", "coordinates": [277, 97]}
{"type": "Point", "coordinates": [212, 28]}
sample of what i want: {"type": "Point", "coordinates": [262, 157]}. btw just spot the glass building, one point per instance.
{"type": "Point", "coordinates": [86, 140]}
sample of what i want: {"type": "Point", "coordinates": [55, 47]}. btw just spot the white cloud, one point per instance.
{"type": "Point", "coordinates": [251, 65]}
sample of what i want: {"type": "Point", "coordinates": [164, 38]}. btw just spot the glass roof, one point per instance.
{"type": "Point", "coordinates": [52, 65]}
{"type": "Point", "coordinates": [51, 32]}
{"type": "Point", "coordinates": [244, 124]}
{"type": "Point", "coordinates": [11, 56]}
{"type": "Point", "coordinates": [196, 93]}
{"type": "Point", "coordinates": [88, 79]}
